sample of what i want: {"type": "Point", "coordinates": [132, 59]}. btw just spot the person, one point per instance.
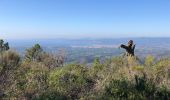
{"type": "Point", "coordinates": [129, 48]}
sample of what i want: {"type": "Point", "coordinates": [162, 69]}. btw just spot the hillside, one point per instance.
{"type": "Point", "coordinates": [40, 75]}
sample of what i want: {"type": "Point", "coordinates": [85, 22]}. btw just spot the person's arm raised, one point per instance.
{"type": "Point", "coordinates": [123, 46]}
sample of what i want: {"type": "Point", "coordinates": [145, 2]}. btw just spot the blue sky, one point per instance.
{"type": "Point", "coordinates": [22, 19]}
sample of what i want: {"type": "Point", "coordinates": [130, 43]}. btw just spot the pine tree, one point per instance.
{"type": "Point", "coordinates": [4, 46]}
{"type": "Point", "coordinates": [34, 53]}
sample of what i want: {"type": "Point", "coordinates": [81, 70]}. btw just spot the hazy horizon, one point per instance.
{"type": "Point", "coordinates": [85, 38]}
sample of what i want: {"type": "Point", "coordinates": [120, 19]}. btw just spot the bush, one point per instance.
{"type": "Point", "coordinates": [41, 77]}
{"type": "Point", "coordinates": [117, 89]}
{"type": "Point", "coordinates": [8, 67]}
{"type": "Point", "coordinates": [9, 59]}
{"type": "Point", "coordinates": [51, 95]}
{"type": "Point", "coordinates": [70, 80]}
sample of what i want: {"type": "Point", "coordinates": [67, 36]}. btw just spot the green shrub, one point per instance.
{"type": "Point", "coordinates": [70, 80]}
{"type": "Point", "coordinates": [149, 60]}
{"type": "Point", "coordinates": [51, 95]}
{"type": "Point", "coordinates": [117, 89]}
{"type": "Point", "coordinates": [39, 77]}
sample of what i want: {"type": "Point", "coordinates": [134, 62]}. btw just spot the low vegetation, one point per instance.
{"type": "Point", "coordinates": [42, 76]}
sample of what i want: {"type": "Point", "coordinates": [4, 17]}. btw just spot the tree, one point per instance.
{"type": "Point", "coordinates": [34, 53]}
{"type": "Point", "coordinates": [4, 46]}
